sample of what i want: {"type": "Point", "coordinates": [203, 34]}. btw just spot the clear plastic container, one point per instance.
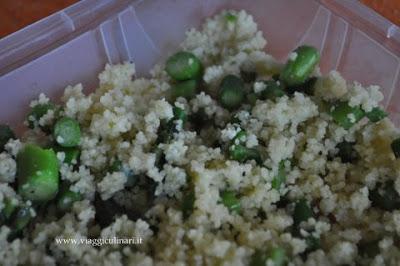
{"type": "Point", "coordinates": [73, 45]}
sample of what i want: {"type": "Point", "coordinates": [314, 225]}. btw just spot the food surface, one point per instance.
{"type": "Point", "coordinates": [224, 156]}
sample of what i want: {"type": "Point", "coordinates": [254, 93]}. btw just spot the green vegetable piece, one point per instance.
{"type": "Point", "coordinates": [71, 154]}
{"type": "Point", "coordinates": [259, 258]}
{"type": "Point", "coordinates": [347, 153]}
{"type": "Point", "coordinates": [280, 178]}
{"type": "Point", "coordinates": [276, 255]}
{"type": "Point", "coordinates": [376, 114]}
{"type": "Point", "coordinates": [396, 147]}
{"type": "Point", "coordinates": [180, 114]}
{"type": "Point", "coordinates": [67, 132]}
{"type": "Point", "coordinates": [230, 201]}
{"type": "Point", "coordinates": [186, 89]}
{"type": "Point", "coordinates": [342, 114]}
{"type": "Point", "coordinates": [238, 153]}
{"type": "Point", "coordinates": [230, 17]}
{"type": "Point", "coordinates": [297, 70]}
{"type": "Point", "coordinates": [183, 66]}
{"type": "Point", "coordinates": [251, 98]}
{"type": "Point", "coordinates": [5, 135]}
{"type": "Point", "coordinates": [67, 199]}
{"type": "Point", "coordinates": [116, 166]}
{"type": "Point", "coordinates": [240, 137]}
{"type": "Point", "coordinates": [242, 154]}
{"type": "Point", "coordinates": [308, 87]}
{"type": "Point", "coordinates": [37, 112]}
{"type": "Point", "coordinates": [9, 208]}
{"type": "Point", "coordinates": [302, 212]}
{"type": "Point", "coordinates": [188, 203]}
{"type": "Point", "coordinates": [254, 154]}
{"type": "Point", "coordinates": [20, 220]}
{"type": "Point", "coordinates": [273, 90]}
{"type": "Point", "coordinates": [231, 92]}
{"type": "Point", "coordinates": [385, 196]}
{"type": "Point", "coordinates": [37, 173]}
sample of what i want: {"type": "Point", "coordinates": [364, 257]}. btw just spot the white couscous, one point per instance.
{"type": "Point", "coordinates": [224, 156]}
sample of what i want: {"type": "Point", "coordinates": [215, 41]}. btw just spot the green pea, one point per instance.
{"type": "Point", "coordinates": [9, 207]}
{"type": "Point", "coordinates": [254, 154]}
{"type": "Point", "coordinates": [238, 153]}
{"type": "Point", "coordinates": [231, 92]}
{"type": "Point", "coordinates": [228, 198]}
{"type": "Point", "coordinates": [116, 166]}
{"type": "Point", "coordinates": [302, 212]}
{"type": "Point", "coordinates": [180, 114]}
{"type": "Point", "coordinates": [259, 258]}
{"type": "Point", "coordinates": [230, 17]}
{"type": "Point", "coordinates": [37, 112]}
{"type": "Point", "coordinates": [183, 66]}
{"type": "Point", "coordinates": [21, 219]}
{"type": "Point", "coordinates": [37, 173]}
{"type": "Point", "coordinates": [251, 98]}
{"type": "Point", "coordinates": [376, 114]}
{"type": "Point", "coordinates": [186, 89]}
{"type": "Point", "coordinates": [188, 203]}
{"type": "Point", "coordinates": [276, 255]}
{"type": "Point", "coordinates": [242, 154]}
{"type": "Point", "coordinates": [71, 154]}
{"type": "Point", "coordinates": [395, 145]}
{"type": "Point", "coordinates": [67, 132]}
{"type": "Point", "coordinates": [341, 113]}
{"type": "Point", "coordinates": [5, 135]}
{"type": "Point", "coordinates": [273, 90]}
{"type": "Point", "coordinates": [297, 71]}
{"type": "Point", "coordinates": [385, 196]}
{"type": "Point", "coordinates": [240, 137]}
{"type": "Point", "coordinates": [308, 87]}
{"type": "Point", "coordinates": [280, 178]}
{"type": "Point", "coordinates": [67, 199]}
{"type": "Point", "coordinates": [347, 153]}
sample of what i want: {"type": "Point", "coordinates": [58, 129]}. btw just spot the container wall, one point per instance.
{"type": "Point", "coordinates": [73, 45]}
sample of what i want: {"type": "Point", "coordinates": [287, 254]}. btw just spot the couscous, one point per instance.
{"type": "Point", "coordinates": [224, 156]}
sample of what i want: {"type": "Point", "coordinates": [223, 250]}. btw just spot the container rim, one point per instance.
{"type": "Point", "coordinates": [47, 34]}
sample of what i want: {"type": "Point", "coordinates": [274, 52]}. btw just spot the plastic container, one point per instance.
{"type": "Point", "coordinates": [73, 45]}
